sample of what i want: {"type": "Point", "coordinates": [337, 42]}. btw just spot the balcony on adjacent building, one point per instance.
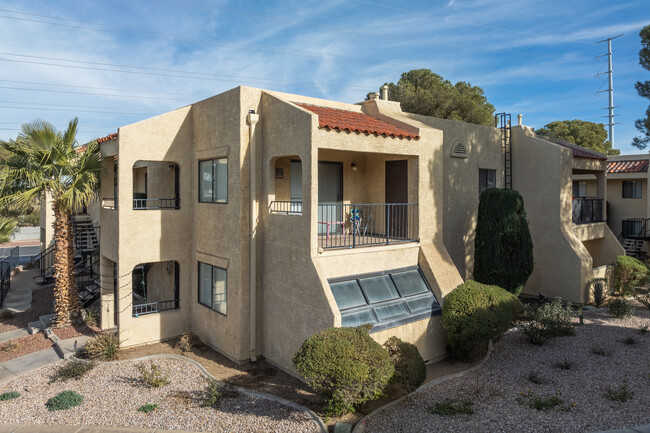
{"type": "Point", "coordinates": [587, 210]}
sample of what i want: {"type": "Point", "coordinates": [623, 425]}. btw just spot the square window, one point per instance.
{"type": "Point", "coordinates": [213, 284]}
{"type": "Point", "coordinates": [486, 179]}
{"type": "Point", "coordinates": [631, 189]}
{"type": "Point", "coordinates": [213, 181]}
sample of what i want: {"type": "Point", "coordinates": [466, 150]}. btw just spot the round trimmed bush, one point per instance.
{"type": "Point", "coordinates": [410, 370]}
{"type": "Point", "coordinates": [345, 366]}
{"type": "Point", "coordinates": [630, 274]}
{"type": "Point", "coordinates": [474, 314]}
{"type": "Point", "coordinates": [64, 400]}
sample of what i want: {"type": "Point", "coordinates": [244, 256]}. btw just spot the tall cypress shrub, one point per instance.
{"type": "Point", "coordinates": [503, 248]}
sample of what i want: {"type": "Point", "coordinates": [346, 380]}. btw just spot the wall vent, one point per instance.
{"type": "Point", "coordinates": [458, 150]}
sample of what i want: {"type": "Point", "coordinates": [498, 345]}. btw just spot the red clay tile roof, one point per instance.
{"type": "Point", "coordinates": [107, 138]}
{"type": "Point", "coordinates": [630, 166]}
{"type": "Point", "coordinates": [343, 120]}
{"type": "Point", "coordinates": [578, 151]}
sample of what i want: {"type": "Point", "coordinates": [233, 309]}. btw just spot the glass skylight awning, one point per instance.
{"type": "Point", "coordinates": [385, 300]}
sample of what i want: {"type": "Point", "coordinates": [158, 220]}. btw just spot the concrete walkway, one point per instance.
{"type": "Point", "coordinates": [19, 297]}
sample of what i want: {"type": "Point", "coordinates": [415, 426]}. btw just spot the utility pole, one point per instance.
{"type": "Point", "coordinates": [610, 90]}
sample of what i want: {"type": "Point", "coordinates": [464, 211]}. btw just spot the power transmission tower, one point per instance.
{"type": "Point", "coordinates": [610, 90]}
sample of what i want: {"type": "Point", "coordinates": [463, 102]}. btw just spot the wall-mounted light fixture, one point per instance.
{"type": "Point", "coordinates": [354, 167]}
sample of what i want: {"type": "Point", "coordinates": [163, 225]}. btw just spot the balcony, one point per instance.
{"type": "Point", "coordinates": [156, 203]}
{"type": "Point", "coordinates": [155, 288]}
{"type": "Point", "coordinates": [357, 225]}
{"type": "Point", "coordinates": [587, 210]}
{"type": "Point", "coordinates": [286, 207]}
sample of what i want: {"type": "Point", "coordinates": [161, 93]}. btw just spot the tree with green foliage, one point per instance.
{"type": "Point", "coordinates": [581, 132]}
{"type": "Point", "coordinates": [503, 248]}
{"type": "Point", "coordinates": [643, 89]}
{"type": "Point", "coordinates": [420, 91]}
{"type": "Point", "coordinates": [43, 160]}
{"type": "Point", "coordinates": [7, 226]}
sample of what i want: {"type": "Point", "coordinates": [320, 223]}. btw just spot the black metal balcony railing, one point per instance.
{"type": "Point", "coordinates": [156, 307]}
{"type": "Point", "coordinates": [286, 207]}
{"type": "Point", "coordinates": [635, 228]}
{"type": "Point", "coordinates": [6, 266]}
{"type": "Point", "coordinates": [156, 203]}
{"type": "Point", "coordinates": [587, 210]}
{"type": "Point", "coordinates": [354, 225]}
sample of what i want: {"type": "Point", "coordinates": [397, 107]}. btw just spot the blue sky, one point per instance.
{"type": "Point", "coordinates": [123, 61]}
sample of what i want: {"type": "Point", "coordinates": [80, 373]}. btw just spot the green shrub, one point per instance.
{"type": "Point", "coordinates": [644, 298]}
{"type": "Point", "coordinates": [542, 403]}
{"type": "Point", "coordinates": [453, 407]}
{"type": "Point", "coordinates": [345, 366]}
{"type": "Point", "coordinates": [64, 400]}
{"type": "Point", "coordinates": [620, 308]}
{"type": "Point", "coordinates": [630, 274]}
{"type": "Point", "coordinates": [474, 314]}
{"type": "Point", "coordinates": [555, 318]}
{"type": "Point", "coordinates": [74, 369]}
{"type": "Point", "coordinates": [410, 370]}
{"type": "Point", "coordinates": [599, 350]}
{"type": "Point", "coordinates": [503, 248]}
{"type": "Point", "coordinates": [620, 394]}
{"type": "Point", "coordinates": [102, 347]}
{"type": "Point", "coordinates": [535, 333]}
{"type": "Point", "coordinates": [148, 408]}
{"type": "Point", "coordinates": [152, 376]}
{"type": "Point", "coordinates": [6, 396]}
{"type": "Point", "coordinates": [217, 391]}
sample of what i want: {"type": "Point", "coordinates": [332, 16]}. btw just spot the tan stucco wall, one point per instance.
{"type": "Point", "coordinates": [625, 208]}
{"type": "Point", "coordinates": [563, 265]}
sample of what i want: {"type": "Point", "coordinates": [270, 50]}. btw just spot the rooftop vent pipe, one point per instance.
{"type": "Point", "coordinates": [519, 119]}
{"type": "Point", "coordinates": [384, 92]}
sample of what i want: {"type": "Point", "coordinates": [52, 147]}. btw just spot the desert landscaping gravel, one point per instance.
{"type": "Point", "coordinates": [23, 346]}
{"type": "Point", "coordinates": [112, 394]}
{"type": "Point", "coordinates": [498, 384]}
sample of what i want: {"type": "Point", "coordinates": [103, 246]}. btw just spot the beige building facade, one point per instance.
{"type": "Point", "coordinates": [255, 218]}
{"type": "Point", "coordinates": [627, 199]}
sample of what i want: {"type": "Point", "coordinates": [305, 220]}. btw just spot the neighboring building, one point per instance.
{"type": "Point", "coordinates": [255, 218]}
{"type": "Point", "coordinates": [627, 199]}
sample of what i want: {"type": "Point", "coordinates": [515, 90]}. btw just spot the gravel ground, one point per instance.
{"type": "Point", "coordinates": [74, 331]}
{"type": "Point", "coordinates": [112, 394]}
{"type": "Point", "coordinates": [23, 346]}
{"type": "Point", "coordinates": [496, 386]}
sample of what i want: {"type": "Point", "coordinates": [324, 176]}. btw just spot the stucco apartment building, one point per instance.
{"type": "Point", "coordinates": [255, 218]}
{"type": "Point", "coordinates": [627, 199]}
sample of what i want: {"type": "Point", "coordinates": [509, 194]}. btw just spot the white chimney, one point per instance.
{"type": "Point", "coordinates": [519, 119]}
{"type": "Point", "coordinates": [384, 92]}
{"type": "Point", "coordinates": [375, 96]}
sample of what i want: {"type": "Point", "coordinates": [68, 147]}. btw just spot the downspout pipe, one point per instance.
{"type": "Point", "coordinates": [252, 120]}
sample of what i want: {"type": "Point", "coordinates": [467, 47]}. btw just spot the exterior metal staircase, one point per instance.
{"type": "Point", "coordinates": [632, 247]}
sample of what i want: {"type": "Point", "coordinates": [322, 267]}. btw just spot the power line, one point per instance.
{"type": "Point", "coordinates": [101, 88]}
{"type": "Point", "coordinates": [79, 111]}
{"type": "Point", "coordinates": [199, 75]}
{"type": "Point", "coordinates": [68, 105]}
{"type": "Point", "coordinates": [217, 42]}
{"type": "Point", "coordinates": [67, 92]}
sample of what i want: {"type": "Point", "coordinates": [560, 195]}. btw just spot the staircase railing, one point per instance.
{"type": "Point", "coordinates": [87, 280]}
{"type": "Point", "coordinates": [45, 261]}
{"type": "Point", "coordinates": [6, 266]}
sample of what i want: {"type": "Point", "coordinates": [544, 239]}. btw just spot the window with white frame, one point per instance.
{"type": "Point", "coordinates": [213, 287]}
{"type": "Point", "coordinates": [213, 180]}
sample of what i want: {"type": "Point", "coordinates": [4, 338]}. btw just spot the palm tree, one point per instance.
{"type": "Point", "coordinates": [43, 160]}
{"type": "Point", "coordinates": [7, 226]}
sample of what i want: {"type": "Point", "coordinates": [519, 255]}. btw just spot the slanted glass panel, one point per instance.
{"type": "Point", "coordinates": [421, 304]}
{"type": "Point", "coordinates": [219, 281]}
{"type": "Point", "coordinates": [205, 285]}
{"type": "Point", "coordinates": [379, 288]}
{"type": "Point", "coordinates": [221, 180]}
{"type": "Point", "coordinates": [409, 283]}
{"type": "Point", "coordinates": [347, 294]}
{"type": "Point", "coordinates": [390, 312]}
{"type": "Point", "coordinates": [205, 181]}
{"type": "Point", "coordinates": [357, 318]}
